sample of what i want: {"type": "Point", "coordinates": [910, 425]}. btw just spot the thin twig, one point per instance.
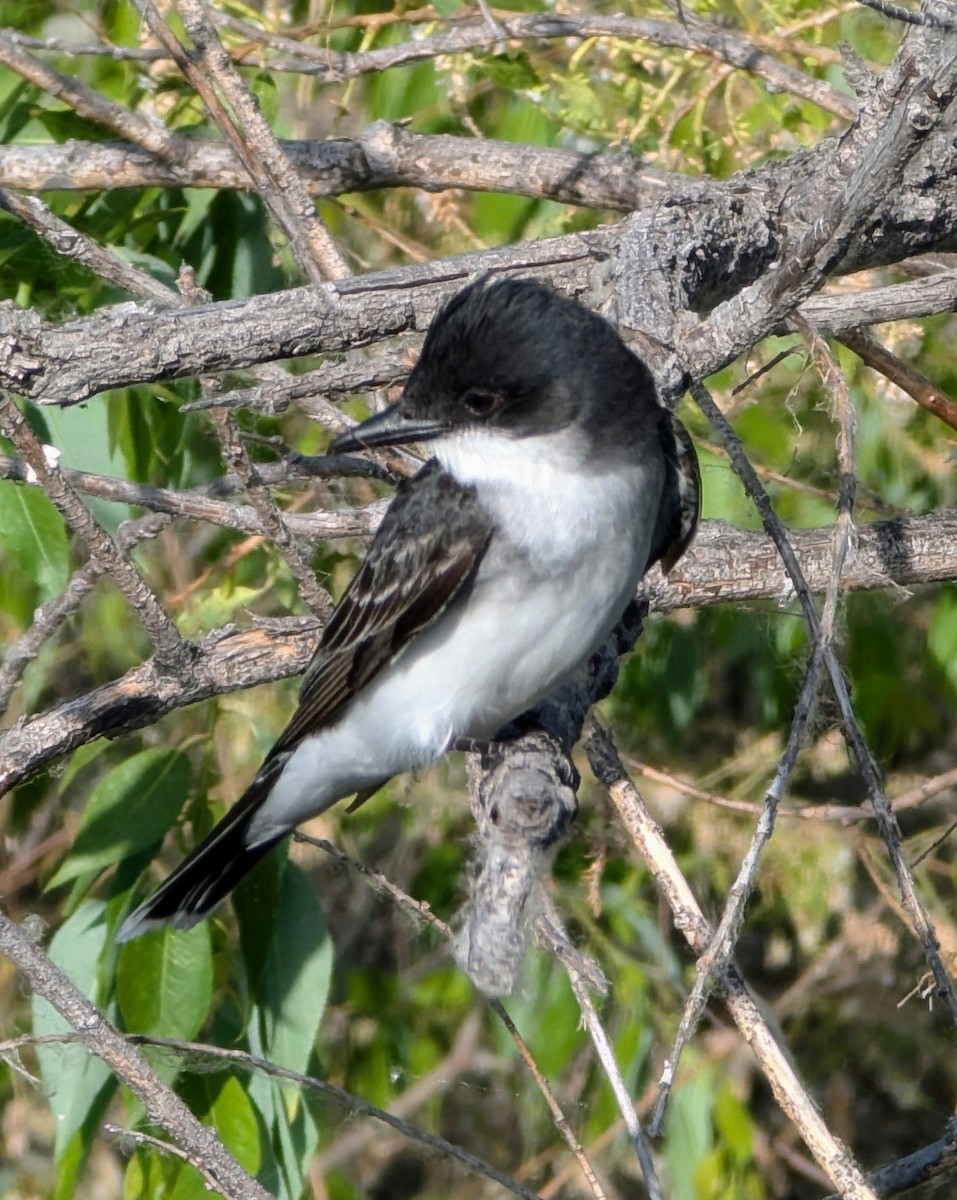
{"type": "Point", "coordinates": [273, 519]}
{"type": "Point", "coordinates": [251, 139]}
{"type": "Point", "coordinates": [548, 925]}
{"type": "Point", "coordinates": [423, 912]}
{"type": "Point", "coordinates": [72, 244]}
{"type": "Point", "coordinates": [723, 565]}
{"type": "Point", "coordinates": [234, 452]}
{"type": "Point", "coordinates": [192, 1054]}
{"type": "Point", "coordinates": [906, 377]}
{"type": "Point", "coordinates": [789, 1091]}
{"type": "Point", "coordinates": [197, 504]}
{"type": "Point", "coordinates": [842, 813]}
{"type": "Point", "coordinates": [559, 1118]}
{"type": "Point", "coordinates": [163, 1106]}
{"type": "Point", "coordinates": [152, 135]}
{"type": "Point", "coordinates": [139, 1138]}
{"type": "Point", "coordinates": [48, 618]}
{"type": "Point", "coordinates": [103, 549]}
{"type": "Point", "coordinates": [698, 37]}
{"type": "Point", "coordinates": [720, 951]}
{"type": "Point", "coordinates": [887, 822]}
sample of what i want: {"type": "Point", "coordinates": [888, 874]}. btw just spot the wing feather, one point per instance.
{"type": "Point", "coordinates": [416, 566]}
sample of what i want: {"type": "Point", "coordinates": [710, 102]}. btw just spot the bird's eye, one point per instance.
{"type": "Point", "coordinates": [481, 404]}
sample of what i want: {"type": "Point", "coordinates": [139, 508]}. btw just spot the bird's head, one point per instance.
{"type": "Point", "coordinates": [513, 358]}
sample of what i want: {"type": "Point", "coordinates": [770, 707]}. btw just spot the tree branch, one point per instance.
{"type": "Point", "coordinates": [723, 566]}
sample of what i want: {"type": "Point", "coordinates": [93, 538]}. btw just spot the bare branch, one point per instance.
{"type": "Point", "coordinates": [199, 505]}
{"type": "Point", "coordinates": [382, 156]}
{"type": "Point", "coordinates": [105, 552]}
{"type": "Point", "coordinates": [791, 1094]}
{"type": "Point", "coordinates": [163, 1106]}
{"type": "Point", "coordinates": [721, 948]}
{"type": "Point", "coordinates": [549, 928]}
{"type": "Point", "coordinates": [151, 135]}
{"type": "Point", "coordinates": [72, 244]}
{"type": "Point", "coordinates": [251, 139]}
{"type": "Point", "coordinates": [724, 565]}
{"type": "Point", "coordinates": [916, 385]}
{"type": "Point", "coordinates": [50, 617]}
{"type": "Point", "coordinates": [866, 764]}
{"type": "Point", "coordinates": [694, 35]}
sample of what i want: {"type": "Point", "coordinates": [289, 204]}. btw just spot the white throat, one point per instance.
{"type": "Point", "coordinates": [485, 458]}
{"type": "Point", "coordinates": [552, 503]}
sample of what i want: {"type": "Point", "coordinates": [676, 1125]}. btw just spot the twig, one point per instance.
{"type": "Point", "coordinates": [49, 617]}
{"type": "Point", "coordinates": [721, 949]}
{"type": "Point", "coordinates": [420, 910]}
{"type": "Point", "coordinates": [561, 1121]}
{"type": "Point", "coordinates": [548, 925]}
{"type": "Point", "coordinates": [926, 17]}
{"type": "Point", "coordinates": [87, 103]}
{"type": "Point", "coordinates": [460, 1059]}
{"type": "Point", "coordinates": [251, 139]}
{"type": "Point", "coordinates": [273, 519]}
{"type": "Point", "coordinates": [104, 551]}
{"type": "Point", "coordinates": [843, 813]}
{"type": "Point", "coordinates": [194, 1053]}
{"type": "Point", "coordinates": [72, 244]}
{"type": "Point", "coordinates": [886, 821]}
{"type": "Point", "coordinates": [916, 385]}
{"type": "Point", "coordinates": [139, 1138]}
{"type": "Point", "coordinates": [716, 958]}
{"type": "Point", "coordinates": [423, 913]}
{"type": "Point", "coordinates": [723, 565]}
{"type": "Point", "coordinates": [198, 505]}
{"type": "Point", "coordinates": [163, 1106]}
{"type": "Point", "coordinates": [698, 37]}
{"type": "Point", "coordinates": [462, 36]}
{"type": "Point", "coordinates": [790, 1093]}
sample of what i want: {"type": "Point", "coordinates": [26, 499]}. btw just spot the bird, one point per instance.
{"type": "Point", "coordinates": [558, 479]}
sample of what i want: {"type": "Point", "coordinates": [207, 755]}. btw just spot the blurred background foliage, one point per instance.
{"type": "Point", "coordinates": [706, 699]}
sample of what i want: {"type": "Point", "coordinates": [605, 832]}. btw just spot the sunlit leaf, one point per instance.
{"type": "Point", "coordinates": [164, 982]}
{"type": "Point", "coordinates": [130, 809]}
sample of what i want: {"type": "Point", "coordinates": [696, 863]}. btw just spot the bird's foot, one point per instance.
{"type": "Point", "coordinates": [472, 745]}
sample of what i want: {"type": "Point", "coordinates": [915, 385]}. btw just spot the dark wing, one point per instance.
{"type": "Point", "coordinates": [680, 506]}
{"type": "Point", "coordinates": [430, 542]}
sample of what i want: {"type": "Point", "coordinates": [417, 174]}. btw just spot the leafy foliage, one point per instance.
{"type": "Point", "coordinates": [708, 696]}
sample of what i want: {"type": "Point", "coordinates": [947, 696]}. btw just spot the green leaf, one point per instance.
{"type": "Point", "coordinates": [220, 1100]}
{"type": "Point", "coordinates": [942, 635]}
{"type": "Point", "coordinates": [129, 810]}
{"type": "Point", "coordinates": [292, 990]}
{"type": "Point", "coordinates": [32, 534]}
{"type": "Point", "coordinates": [294, 984]}
{"type": "Point", "coordinates": [514, 72]}
{"type": "Point", "coordinates": [64, 124]}
{"type": "Point", "coordinates": [267, 94]}
{"type": "Point", "coordinates": [689, 1135]}
{"type": "Point", "coordinates": [77, 1083]}
{"type": "Point", "coordinates": [164, 982]}
{"type": "Point", "coordinates": [734, 1126]}
{"type": "Point", "coordinates": [256, 902]}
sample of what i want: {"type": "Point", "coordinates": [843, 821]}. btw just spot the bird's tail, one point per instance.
{"type": "Point", "coordinates": [212, 870]}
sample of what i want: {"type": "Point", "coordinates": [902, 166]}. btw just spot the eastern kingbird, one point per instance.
{"type": "Point", "coordinates": [558, 480]}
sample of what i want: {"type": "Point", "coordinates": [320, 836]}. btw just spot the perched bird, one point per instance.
{"type": "Point", "coordinates": [558, 480]}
